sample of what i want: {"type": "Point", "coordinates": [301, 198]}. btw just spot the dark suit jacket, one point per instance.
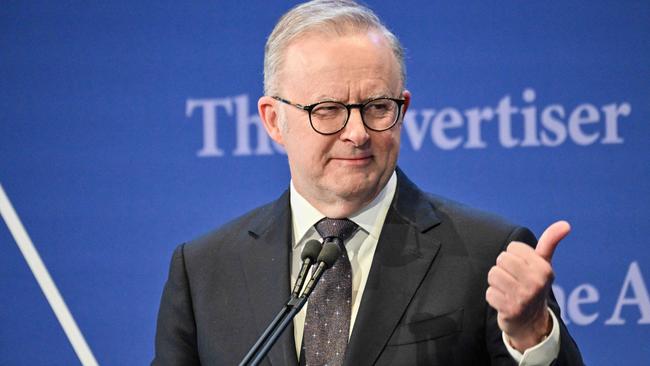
{"type": "Point", "coordinates": [424, 302]}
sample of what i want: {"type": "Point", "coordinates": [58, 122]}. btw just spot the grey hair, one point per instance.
{"type": "Point", "coordinates": [340, 17]}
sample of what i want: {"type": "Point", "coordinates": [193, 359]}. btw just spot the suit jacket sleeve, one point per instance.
{"type": "Point", "coordinates": [176, 332]}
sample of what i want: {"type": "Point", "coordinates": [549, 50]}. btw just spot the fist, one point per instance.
{"type": "Point", "coordinates": [519, 284]}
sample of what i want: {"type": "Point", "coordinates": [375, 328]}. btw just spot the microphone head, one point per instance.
{"type": "Point", "coordinates": [330, 252]}
{"type": "Point", "coordinates": [311, 250]}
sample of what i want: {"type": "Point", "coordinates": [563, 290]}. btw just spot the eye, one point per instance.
{"type": "Point", "coordinates": [327, 110]}
{"type": "Point", "coordinates": [379, 107]}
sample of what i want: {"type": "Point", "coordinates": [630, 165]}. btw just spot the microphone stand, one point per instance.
{"type": "Point", "coordinates": [263, 339]}
{"type": "Point", "coordinates": [292, 308]}
{"type": "Point", "coordinates": [261, 348]}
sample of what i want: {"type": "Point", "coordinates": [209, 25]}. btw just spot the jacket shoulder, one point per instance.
{"type": "Point", "coordinates": [231, 234]}
{"type": "Point", "coordinates": [475, 225]}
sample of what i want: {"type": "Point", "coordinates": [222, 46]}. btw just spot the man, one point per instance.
{"type": "Point", "coordinates": [429, 281]}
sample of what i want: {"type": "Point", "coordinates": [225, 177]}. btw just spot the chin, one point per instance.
{"type": "Point", "coordinates": [356, 189]}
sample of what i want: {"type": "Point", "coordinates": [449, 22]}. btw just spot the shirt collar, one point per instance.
{"type": "Point", "coordinates": [370, 218]}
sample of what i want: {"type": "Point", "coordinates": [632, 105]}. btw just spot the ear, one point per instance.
{"type": "Point", "coordinates": [266, 107]}
{"type": "Point", "coordinates": [407, 101]}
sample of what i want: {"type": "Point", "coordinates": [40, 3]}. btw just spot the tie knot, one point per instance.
{"type": "Point", "coordinates": [339, 228]}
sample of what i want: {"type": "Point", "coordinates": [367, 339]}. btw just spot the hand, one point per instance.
{"type": "Point", "coordinates": [519, 285]}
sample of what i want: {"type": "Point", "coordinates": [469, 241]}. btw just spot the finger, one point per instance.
{"type": "Point", "coordinates": [513, 264]}
{"type": "Point", "coordinates": [501, 280]}
{"type": "Point", "coordinates": [537, 274]}
{"type": "Point", "coordinates": [528, 254]}
{"type": "Point", "coordinates": [495, 298]}
{"type": "Point", "coordinates": [551, 238]}
{"type": "Point", "coordinates": [522, 250]}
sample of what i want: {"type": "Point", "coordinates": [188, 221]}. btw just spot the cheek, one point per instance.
{"type": "Point", "coordinates": [389, 146]}
{"type": "Point", "coordinates": [305, 151]}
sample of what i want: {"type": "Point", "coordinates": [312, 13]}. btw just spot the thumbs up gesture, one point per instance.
{"type": "Point", "coordinates": [519, 285]}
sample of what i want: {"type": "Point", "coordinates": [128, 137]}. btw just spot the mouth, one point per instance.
{"type": "Point", "coordinates": [354, 160]}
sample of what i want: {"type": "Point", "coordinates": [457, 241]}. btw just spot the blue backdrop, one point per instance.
{"type": "Point", "coordinates": [127, 128]}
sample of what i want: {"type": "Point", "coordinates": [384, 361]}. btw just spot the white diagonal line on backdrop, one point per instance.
{"type": "Point", "coordinates": [45, 281]}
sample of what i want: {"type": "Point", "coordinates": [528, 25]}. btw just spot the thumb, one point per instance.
{"type": "Point", "coordinates": [551, 238]}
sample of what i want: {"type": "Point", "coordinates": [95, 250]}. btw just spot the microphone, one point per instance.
{"type": "Point", "coordinates": [326, 259]}
{"type": "Point", "coordinates": [309, 256]}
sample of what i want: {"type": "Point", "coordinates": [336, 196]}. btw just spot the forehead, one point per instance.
{"type": "Point", "coordinates": [356, 65]}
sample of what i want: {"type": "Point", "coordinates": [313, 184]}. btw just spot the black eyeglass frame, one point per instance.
{"type": "Point", "coordinates": [349, 107]}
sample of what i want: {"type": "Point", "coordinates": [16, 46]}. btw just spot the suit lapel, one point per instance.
{"type": "Point", "coordinates": [266, 267]}
{"type": "Point", "coordinates": [402, 259]}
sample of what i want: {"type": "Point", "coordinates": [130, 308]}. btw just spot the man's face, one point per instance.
{"type": "Point", "coordinates": [350, 167]}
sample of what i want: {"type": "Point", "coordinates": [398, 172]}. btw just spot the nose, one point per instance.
{"type": "Point", "coordinates": [355, 131]}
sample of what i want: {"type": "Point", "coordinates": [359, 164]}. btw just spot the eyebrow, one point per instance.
{"type": "Point", "coordinates": [327, 98]}
{"type": "Point", "coordinates": [378, 95]}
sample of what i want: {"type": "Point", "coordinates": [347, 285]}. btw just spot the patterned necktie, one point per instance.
{"type": "Point", "coordinates": [327, 324]}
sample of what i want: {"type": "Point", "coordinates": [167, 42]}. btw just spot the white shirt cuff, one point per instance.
{"type": "Point", "coordinates": [541, 354]}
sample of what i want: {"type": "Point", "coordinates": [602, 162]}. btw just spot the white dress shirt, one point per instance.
{"type": "Point", "coordinates": [361, 250]}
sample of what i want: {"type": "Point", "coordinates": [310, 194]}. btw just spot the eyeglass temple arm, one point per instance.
{"type": "Point", "coordinates": [300, 106]}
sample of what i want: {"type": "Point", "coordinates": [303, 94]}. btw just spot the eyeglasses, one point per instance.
{"type": "Point", "coordinates": [328, 118]}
